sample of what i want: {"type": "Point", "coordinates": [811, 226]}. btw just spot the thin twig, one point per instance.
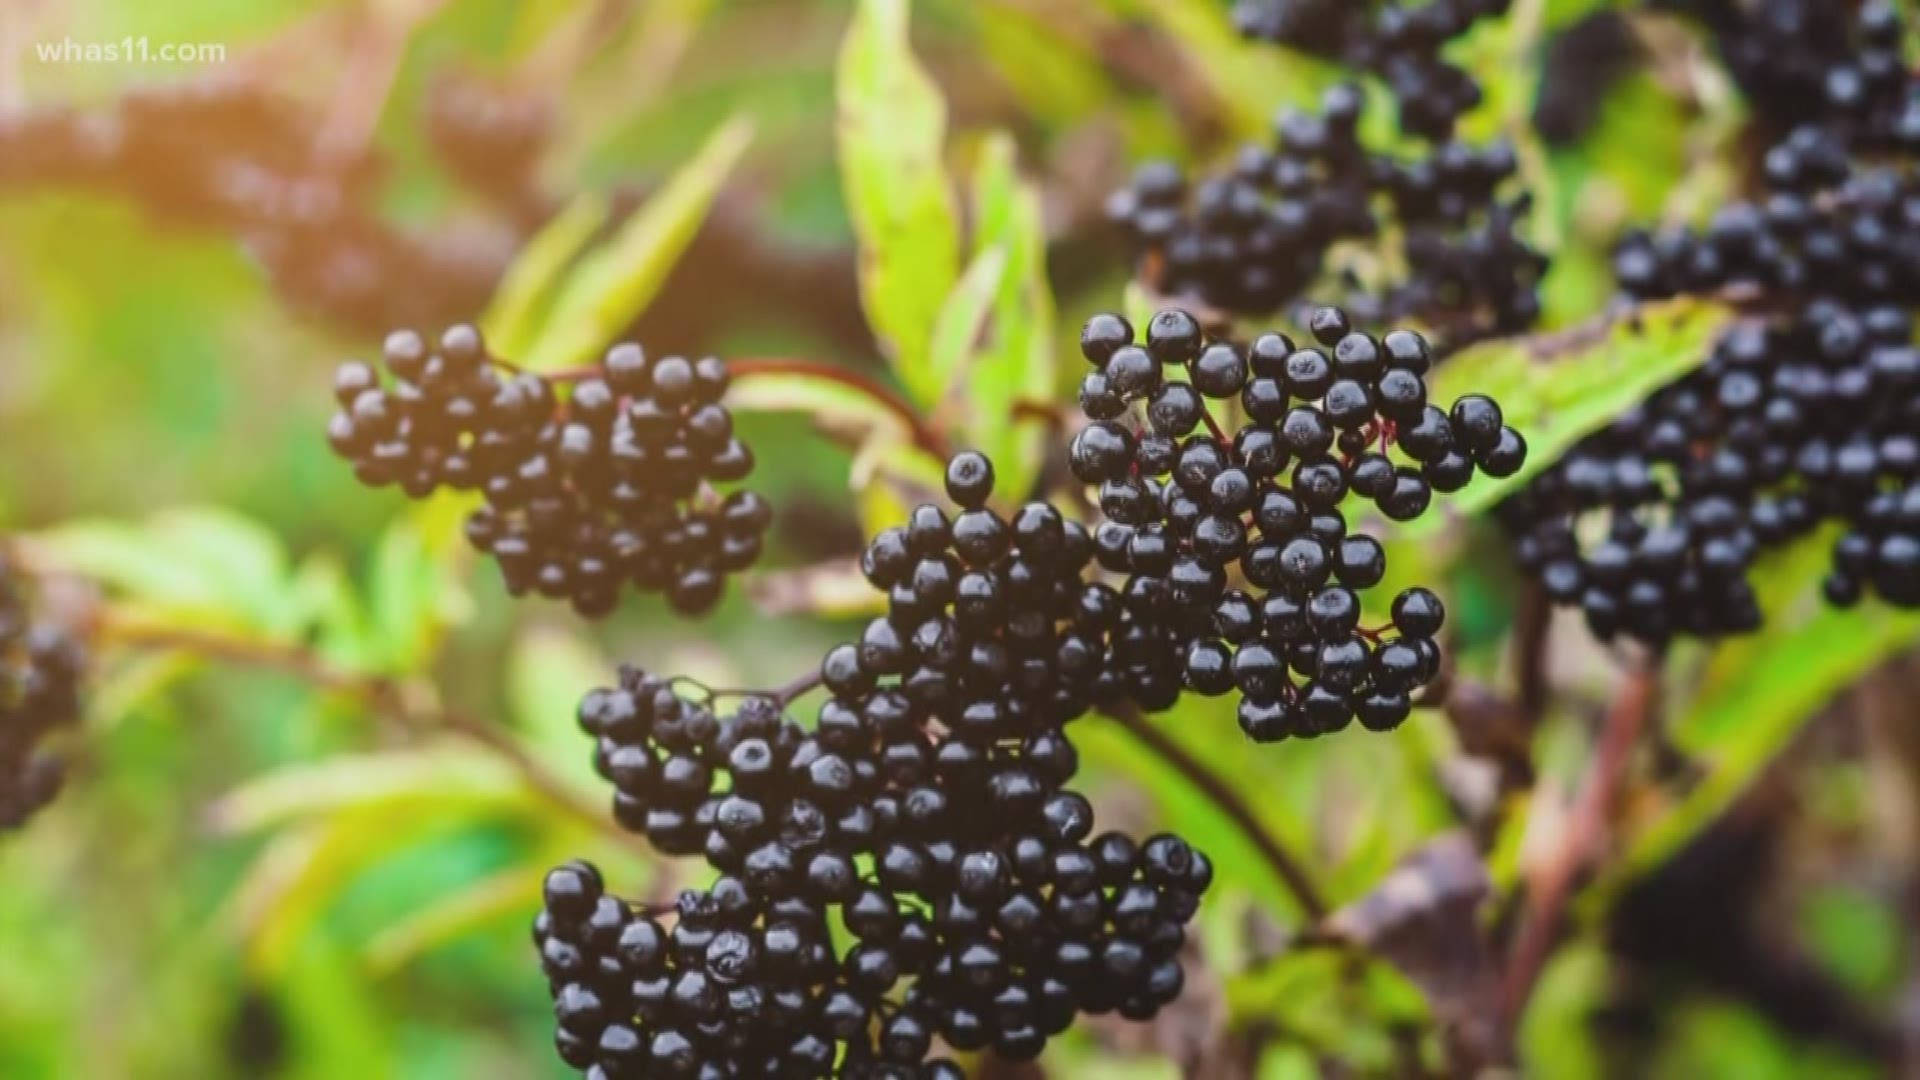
{"type": "Point", "coordinates": [377, 693]}
{"type": "Point", "coordinates": [1284, 864]}
{"type": "Point", "coordinates": [800, 686]}
{"type": "Point", "coordinates": [1551, 886]}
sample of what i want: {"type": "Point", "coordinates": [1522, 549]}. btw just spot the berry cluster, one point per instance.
{"type": "Point", "coordinates": [1254, 237]}
{"type": "Point", "coordinates": [583, 494]}
{"type": "Point", "coordinates": [40, 667]}
{"type": "Point", "coordinates": [1185, 507]}
{"type": "Point", "coordinates": [1803, 61]}
{"type": "Point", "coordinates": [1824, 228]}
{"type": "Point", "coordinates": [229, 154]}
{"type": "Point", "coordinates": [927, 805]}
{"type": "Point", "coordinates": [717, 983]}
{"type": "Point", "coordinates": [1808, 411]}
{"type": "Point", "coordinates": [1400, 43]}
{"type": "Point", "coordinates": [991, 624]}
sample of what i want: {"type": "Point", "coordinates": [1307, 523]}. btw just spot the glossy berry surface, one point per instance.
{"type": "Point", "coordinates": [590, 487]}
{"type": "Point", "coordinates": [1240, 571]}
{"type": "Point", "coordinates": [926, 809]}
{"type": "Point", "coordinates": [1264, 232]}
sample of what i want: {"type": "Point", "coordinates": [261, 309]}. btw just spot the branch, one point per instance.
{"type": "Point", "coordinates": [1551, 886]}
{"type": "Point", "coordinates": [1287, 867]}
{"type": "Point", "coordinates": [379, 694]}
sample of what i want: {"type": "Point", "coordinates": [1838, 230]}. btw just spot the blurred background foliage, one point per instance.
{"type": "Point", "coordinates": [309, 843]}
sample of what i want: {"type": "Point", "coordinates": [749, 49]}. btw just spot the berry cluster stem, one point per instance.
{"type": "Point", "coordinates": [924, 435]}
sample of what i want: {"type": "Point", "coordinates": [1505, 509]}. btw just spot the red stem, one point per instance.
{"type": "Point", "coordinates": [1213, 426]}
{"type": "Point", "coordinates": [1551, 887]}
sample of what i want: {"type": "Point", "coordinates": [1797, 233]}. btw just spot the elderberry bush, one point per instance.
{"type": "Point", "coordinates": [40, 668]}
{"type": "Point", "coordinates": [1254, 237]}
{"type": "Point", "coordinates": [1236, 541]}
{"type": "Point", "coordinates": [1813, 61]}
{"type": "Point", "coordinates": [1806, 411]}
{"type": "Point", "coordinates": [606, 486]}
{"type": "Point", "coordinates": [926, 810]}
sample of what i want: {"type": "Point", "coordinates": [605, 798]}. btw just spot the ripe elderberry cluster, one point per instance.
{"type": "Point", "coordinates": [584, 494]}
{"type": "Point", "coordinates": [719, 983]}
{"type": "Point", "coordinates": [230, 154]}
{"type": "Point", "coordinates": [1259, 234]}
{"type": "Point", "coordinates": [40, 668]}
{"type": "Point", "coordinates": [1805, 411]}
{"type": "Point", "coordinates": [926, 811]}
{"type": "Point", "coordinates": [1814, 61]}
{"type": "Point", "coordinates": [1398, 42]}
{"type": "Point", "coordinates": [1187, 505]}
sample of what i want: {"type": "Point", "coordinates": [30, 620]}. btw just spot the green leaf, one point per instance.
{"type": "Point", "coordinates": [528, 289]}
{"type": "Point", "coordinates": [1759, 691]}
{"type": "Point", "coordinates": [617, 280]}
{"type": "Point", "coordinates": [891, 125]}
{"type": "Point", "coordinates": [446, 777]}
{"type": "Point", "coordinates": [412, 592]}
{"type": "Point", "coordinates": [1556, 389]}
{"type": "Point", "coordinates": [548, 672]}
{"type": "Point", "coordinates": [840, 406]}
{"type": "Point", "coordinates": [963, 320]}
{"type": "Point", "coordinates": [1556, 1036]}
{"type": "Point", "coordinates": [334, 1026]}
{"type": "Point", "coordinates": [303, 873]}
{"type": "Point", "coordinates": [202, 564]}
{"type": "Point", "coordinates": [1015, 363]}
{"type": "Point", "coordinates": [466, 910]}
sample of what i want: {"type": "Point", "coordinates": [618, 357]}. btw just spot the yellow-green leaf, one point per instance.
{"type": "Point", "coordinates": [441, 776]}
{"type": "Point", "coordinates": [464, 911]}
{"type": "Point", "coordinates": [616, 281]}
{"type": "Point", "coordinates": [840, 406]}
{"type": "Point", "coordinates": [548, 672]}
{"type": "Point", "coordinates": [1556, 389]}
{"type": "Point", "coordinates": [205, 565]}
{"type": "Point", "coordinates": [963, 320]}
{"type": "Point", "coordinates": [1015, 362]}
{"type": "Point", "coordinates": [527, 291]}
{"type": "Point", "coordinates": [891, 126]}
